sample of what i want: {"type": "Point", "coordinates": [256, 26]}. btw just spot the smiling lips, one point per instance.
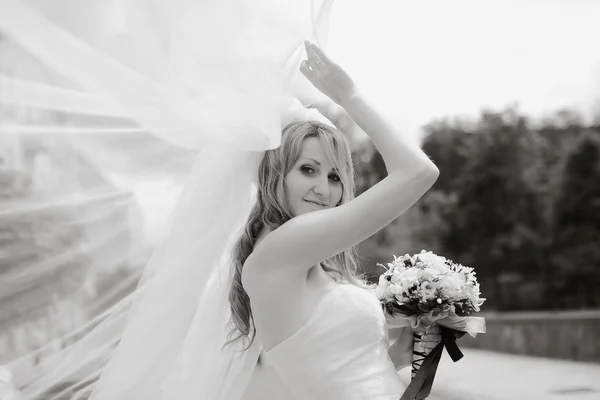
{"type": "Point", "coordinates": [314, 202]}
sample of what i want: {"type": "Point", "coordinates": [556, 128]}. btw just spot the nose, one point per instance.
{"type": "Point", "coordinates": [322, 189]}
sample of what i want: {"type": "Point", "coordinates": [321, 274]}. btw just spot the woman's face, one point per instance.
{"type": "Point", "coordinates": [312, 184]}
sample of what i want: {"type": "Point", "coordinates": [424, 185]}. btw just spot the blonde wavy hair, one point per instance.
{"type": "Point", "coordinates": [272, 210]}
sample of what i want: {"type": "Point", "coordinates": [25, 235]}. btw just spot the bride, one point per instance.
{"type": "Point", "coordinates": [244, 299]}
{"type": "Point", "coordinates": [321, 329]}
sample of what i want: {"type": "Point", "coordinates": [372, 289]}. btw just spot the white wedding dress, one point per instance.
{"type": "Point", "coordinates": [341, 353]}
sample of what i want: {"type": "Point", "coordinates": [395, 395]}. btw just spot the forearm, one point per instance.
{"type": "Point", "coordinates": [398, 153]}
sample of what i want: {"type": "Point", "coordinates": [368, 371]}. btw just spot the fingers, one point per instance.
{"type": "Point", "coordinates": [306, 71]}
{"type": "Point", "coordinates": [313, 53]}
{"type": "Point", "coordinates": [431, 337]}
{"type": "Point", "coordinates": [319, 53]}
{"type": "Point", "coordinates": [310, 53]}
{"type": "Point", "coordinates": [431, 340]}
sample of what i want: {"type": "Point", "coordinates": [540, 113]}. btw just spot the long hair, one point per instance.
{"type": "Point", "coordinates": [272, 210]}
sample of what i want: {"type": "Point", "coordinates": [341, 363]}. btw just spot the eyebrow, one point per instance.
{"type": "Point", "coordinates": [319, 164]}
{"type": "Point", "coordinates": [312, 159]}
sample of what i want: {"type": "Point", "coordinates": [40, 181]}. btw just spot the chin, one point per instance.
{"type": "Point", "coordinates": [307, 207]}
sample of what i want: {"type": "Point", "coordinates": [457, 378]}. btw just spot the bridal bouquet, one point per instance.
{"type": "Point", "coordinates": [437, 298]}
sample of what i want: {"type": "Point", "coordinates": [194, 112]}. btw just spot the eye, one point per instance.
{"type": "Point", "coordinates": [307, 169]}
{"type": "Point", "coordinates": [335, 178]}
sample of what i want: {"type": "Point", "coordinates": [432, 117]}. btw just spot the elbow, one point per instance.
{"type": "Point", "coordinates": [430, 174]}
{"type": "Point", "coordinates": [423, 177]}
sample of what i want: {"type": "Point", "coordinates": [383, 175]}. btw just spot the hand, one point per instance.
{"type": "Point", "coordinates": [402, 341]}
{"type": "Point", "coordinates": [430, 340]}
{"type": "Point", "coordinates": [327, 76]}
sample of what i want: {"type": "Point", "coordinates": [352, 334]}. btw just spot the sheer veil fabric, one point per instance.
{"type": "Point", "coordinates": [193, 90]}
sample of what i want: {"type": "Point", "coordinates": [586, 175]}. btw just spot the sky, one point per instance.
{"type": "Point", "coordinates": [418, 60]}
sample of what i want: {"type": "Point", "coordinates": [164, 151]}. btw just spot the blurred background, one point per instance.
{"type": "Point", "coordinates": [507, 99]}
{"type": "Point", "coordinates": [504, 96]}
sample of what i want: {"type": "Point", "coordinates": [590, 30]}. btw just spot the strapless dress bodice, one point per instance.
{"type": "Point", "coordinates": [340, 353]}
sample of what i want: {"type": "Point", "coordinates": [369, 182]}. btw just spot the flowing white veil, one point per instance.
{"type": "Point", "coordinates": [181, 89]}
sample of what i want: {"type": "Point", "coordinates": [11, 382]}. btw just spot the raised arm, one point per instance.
{"type": "Point", "coordinates": [310, 238]}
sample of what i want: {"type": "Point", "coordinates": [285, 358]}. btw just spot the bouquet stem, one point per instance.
{"type": "Point", "coordinates": [425, 340]}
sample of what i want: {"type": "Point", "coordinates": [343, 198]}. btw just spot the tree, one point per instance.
{"type": "Point", "coordinates": [447, 142]}
{"type": "Point", "coordinates": [576, 211]}
{"type": "Point", "coordinates": [511, 201]}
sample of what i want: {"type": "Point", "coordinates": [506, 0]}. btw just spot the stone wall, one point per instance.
{"type": "Point", "coordinates": [572, 335]}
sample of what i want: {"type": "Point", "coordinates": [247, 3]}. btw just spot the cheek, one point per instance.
{"type": "Point", "coordinates": [339, 191]}
{"type": "Point", "coordinates": [294, 186]}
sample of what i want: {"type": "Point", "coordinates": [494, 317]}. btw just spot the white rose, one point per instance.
{"type": "Point", "coordinates": [472, 292]}
{"type": "Point", "coordinates": [380, 292]}
{"type": "Point", "coordinates": [397, 289]}
{"type": "Point", "coordinates": [397, 275]}
{"type": "Point", "coordinates": [434, 261]}
{"type": "Point", "coordinates": [412, 275]}
{"type": "Point", "coordinates": [429, 274]}
{"type": "Point", "coordinates": [383, 281]}
{"type": "Point", "coordinates": [452, 286]}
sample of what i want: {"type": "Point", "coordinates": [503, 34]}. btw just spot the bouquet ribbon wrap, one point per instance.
{"type": "Point", "coordinates": [451, 328]}
{"type": "Point", "coordinates": [422, 381]}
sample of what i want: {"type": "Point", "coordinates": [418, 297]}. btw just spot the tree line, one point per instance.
{"type": "Point", "coordinates": [517, 199]}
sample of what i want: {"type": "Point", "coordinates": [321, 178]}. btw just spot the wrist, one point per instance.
{"type": "Point", "coordinates": [350, 100]}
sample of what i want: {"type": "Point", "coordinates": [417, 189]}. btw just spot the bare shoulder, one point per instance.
{"type": "Point", "coordinates": [251, 275]}
{"type": "Point", "coordinates": [263, 283]}
{"type": "Point", "coordinates": [256, 275]}
{"type": "Point", "coordinates": [257, 271]}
